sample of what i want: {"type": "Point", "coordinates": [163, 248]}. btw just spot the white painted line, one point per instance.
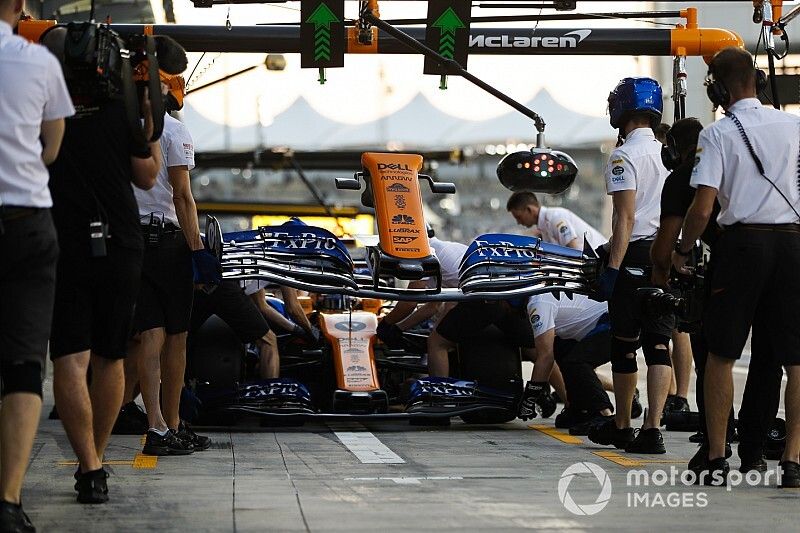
{"type": "Point", "coordinates": [366, 446]}
{"type": "Point", "coordinates": [406, 480]}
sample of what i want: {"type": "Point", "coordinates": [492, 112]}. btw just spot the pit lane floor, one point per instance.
{"type": "Point", "coordinates": [389, 476]}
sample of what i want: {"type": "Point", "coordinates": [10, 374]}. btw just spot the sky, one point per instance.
{"type": "Point", "coordinates": [369, 87]}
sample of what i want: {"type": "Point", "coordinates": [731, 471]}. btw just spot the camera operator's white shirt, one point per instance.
{"type": "Point", "coordinates": [724, 163]}
{"type": "Point", "coordinates": [32, 90]}
{"type": "Point", "coordinates": [177, 149]}
{"type": "Point", "coordinates": [572, 319]}
{"type": "Point", "coordinates": [561, 226]}
{"type": "Point", "coordinates": [636, 166]}
{"type": "Point", "coordinates": [449, 254]}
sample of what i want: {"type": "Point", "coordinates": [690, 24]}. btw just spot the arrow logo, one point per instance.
{"type": "Point", "coordinates": [448, 22]}
{"type": "Point", "coordinates": [322, 18]}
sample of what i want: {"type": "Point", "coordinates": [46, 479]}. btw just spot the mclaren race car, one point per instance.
{"type": "Point", "coordinates": [348, 373]}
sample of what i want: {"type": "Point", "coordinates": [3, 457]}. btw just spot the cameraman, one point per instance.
{"type": "Point", "coordinates": [33, 105]}
{"type": "Point", "coordinates": [99, 268]}
{"type": "Point", "coordinates": [174, 261]}
{"type": "Point", "coordinates": [742, 160]}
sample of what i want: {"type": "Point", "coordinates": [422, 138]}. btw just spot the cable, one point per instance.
{"type": "Point", "coordinates": [758, 163]}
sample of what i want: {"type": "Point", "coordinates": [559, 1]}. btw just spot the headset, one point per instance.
{"type": "Point", "coordinates": [719, 94]}
{"type": "Point", "coordinates": [670, 156]}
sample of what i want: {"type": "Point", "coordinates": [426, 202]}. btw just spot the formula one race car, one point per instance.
{"type": "Point", "coordinates": [350, 374]}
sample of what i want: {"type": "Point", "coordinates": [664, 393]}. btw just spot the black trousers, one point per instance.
{"type": "Point", "coordinates": [762, 390]}
{"type": "Point", "coordinates": [577, 361]}
{"type": "Point", "coordinates": [762, 394]}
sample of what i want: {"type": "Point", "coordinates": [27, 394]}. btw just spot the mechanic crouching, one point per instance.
{"type": "Point", "coordinates": [575, 333]}
{"type": "Point", "coordinates": [174, 261]}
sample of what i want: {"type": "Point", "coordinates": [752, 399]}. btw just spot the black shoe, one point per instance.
{"type": "Point", "coordinates": [647, 441]}
{"type": "Point", "coordinates": [636, 405]}
{"type": "Point", "coordinates": [13, 519]}
{"type": "Point", "coordinates": [702, 455]}
{"type": "Point", "coordinates": [53, 414]}
{"type": "Point", "coordinates": [698, 438]}
{"type": "Point", "coordinates": [716, 474]}
{"type": "Point", "coordinates": [570, 417]}
{"type": "Point", "coordinates": [92, 486]}
{"type": "Point", "coordinates": [790, 475]}
{"type": "Point", "coordinates": [675, 404]}
{"type": "Point", "coordinates": [169, 444]}
{"type": "Point", "coordinates": [132, 420]}
{"type": "Point", "coordinates": [607, 433]}
{"type": "Point", "coordinates": [757, 464]}
{"type": "Point", "coordinates": [582, 429]}
{"type": "Point", "coordinates": [199, 442]}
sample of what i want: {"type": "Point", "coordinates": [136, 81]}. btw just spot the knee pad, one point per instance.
{"type": "Point", "coordinates": [21, 376]}
{"type": "Point", "coordinates": [621, 360]}
{"type": "Point", "coordinates": [654, 355]}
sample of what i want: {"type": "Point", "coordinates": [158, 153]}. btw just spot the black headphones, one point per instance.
{"type": "Point", "coordinates": [670, 156]}
{"type": "Point", "coordinates": [719, 94]}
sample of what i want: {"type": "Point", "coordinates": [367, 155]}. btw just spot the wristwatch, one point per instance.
{"type": "Point", "coordinates": [681, 252]}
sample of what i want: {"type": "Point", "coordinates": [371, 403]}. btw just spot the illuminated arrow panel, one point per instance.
{"type": "Point", "coordinates": [322, 33]}
{"type": "Point", "coordinates": [447, 32]}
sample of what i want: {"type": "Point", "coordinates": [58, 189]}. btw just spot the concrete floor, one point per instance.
{"type": "Point", "coordinates": [388, 476]}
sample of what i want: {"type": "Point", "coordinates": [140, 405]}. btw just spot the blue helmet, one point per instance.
{"type": "Point", "coordinates": [634, 95]}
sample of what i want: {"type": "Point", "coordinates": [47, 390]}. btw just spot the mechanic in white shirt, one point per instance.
{"type": "Point", "coordinates": [557, 224]}
{"type": "Point", "coordinates": [172, 264]}
{"type": "Point", "coordinates": [33, 104]}
{"type": "Point", "coordinates": [749, 160]}
{"type": "Point", "coordinates": [575, 334]}
{"type": "Point", "coordinates": [406, 315]}
{"type": "Point", "coordinates": [635, 176]}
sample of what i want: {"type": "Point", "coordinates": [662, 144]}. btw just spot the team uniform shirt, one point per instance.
{"type": "Point", "coordinates": [33, 90]}
{"type": "Point", "coordinates": [177, 149]}
{"type": "Point", "coordinates": [571, 318]}
{"type": "Point", "coordinates": [561, 226]}
{"type": "Point", "coordinates": [724, 163]}
{"type": "Point", "coordinates": [449, 254]}
{"type": "Point", "coordinates": [636, 166]}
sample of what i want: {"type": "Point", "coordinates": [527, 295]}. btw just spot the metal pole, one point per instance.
{"type": "Point", "coordinates": [769, 45]}
{"type": "Point", "coordinates": [454, 68]}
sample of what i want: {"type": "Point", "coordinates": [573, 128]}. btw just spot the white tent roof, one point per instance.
{"type": "Point", "coordinates": [419, 124]}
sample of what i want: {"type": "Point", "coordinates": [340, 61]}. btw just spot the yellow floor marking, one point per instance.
{"type": "Point", "coordinates": [556, 434]}
{"type": "Point", "coordinates": [616, 458]}
{"type": "Point", "coordinates": [142, 461]}
{"type": "Point", "coordinates": [112, 463]}
{"type": "Point", "coordinates": [621, 460]}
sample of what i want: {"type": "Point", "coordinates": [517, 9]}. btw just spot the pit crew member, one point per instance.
{"type": "Point", "coordinates": [33, 106]}
{"type": "Point", "coordinates": [557, 224]}
{"type": "Point", "coordinates": [742, 161]}
{"type": "Point", "coordinates": [174, 260]}
{"type": "Point", "coordinates": [634, 178]}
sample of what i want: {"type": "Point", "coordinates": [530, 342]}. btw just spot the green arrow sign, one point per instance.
{"type": "Point", "coordinates": [322, 33]}
{"type": "Point", "coordinates": [447, 32]}
{"type": "Point", "coordinates": [321, 18]}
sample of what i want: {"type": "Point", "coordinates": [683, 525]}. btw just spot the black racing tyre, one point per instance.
{"type": "Point", "coordinates": [216, 355]}
{"type": "Point", "coordinates": [491, 360]}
